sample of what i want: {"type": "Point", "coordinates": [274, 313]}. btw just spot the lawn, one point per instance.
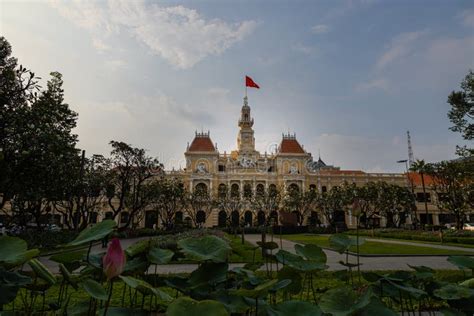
{"type": "Point", "coordinates": [373, 247]}
{"type": "Point", "coordinates": [243, 253]}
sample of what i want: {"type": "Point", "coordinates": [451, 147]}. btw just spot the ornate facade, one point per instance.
{"type": "Point", "coordinates": [247, 169]}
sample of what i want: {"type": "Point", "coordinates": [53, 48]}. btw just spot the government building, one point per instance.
{"type": "Point", "coordinates": [291, 166]}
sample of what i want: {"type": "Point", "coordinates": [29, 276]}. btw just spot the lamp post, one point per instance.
{"type": "Point", "coordinates": [409, 183]}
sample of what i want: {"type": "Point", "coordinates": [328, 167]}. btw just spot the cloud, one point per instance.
{"type": "Point", "coordinates": [467, 18]}
{"type": "Point", "coordinates": [100, 45]}
{"type": "Point", "coordinates": [115, 64]}
{"type": "Point", "coordinates": [378, 84]}
{"type": "Point", "coordinates": [320, 29]}
{"type": "Point", "coordinates": [178, 34]}
{"type": "Point", "coordinates": [400, 46]}
{"type": "Point", "coordinates": [301, 48]}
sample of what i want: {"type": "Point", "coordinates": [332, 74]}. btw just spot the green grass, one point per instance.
{"type": "Point", "coordinates": [80, 297]}
{"type": "Point", "coordinates": [454, 244]}
{"type": "Point", "coordinates": [373, 247]}
{"type": "Point", "coordinates": [243, 253]}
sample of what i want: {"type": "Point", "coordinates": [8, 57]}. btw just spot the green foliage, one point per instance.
{"type": "Point", "coordinates": [42, 272]}
{"type": "Point", "coordinates": [294, 308]}
{"type": "Point", "coordinates": [160, 256]}
{"type": "Point", "coordinates": [94, 233]}
{"type": "Point", "coordinates": [343, 301]}
{"type": "Point", "coordinates": [188, 306]}
{"type": "Point", "coordinates": [14, 252]}
{"type": "Point", "coordinates": [462, 262]}
{"type": "Point", "coordinates": [462, 111]}
{"type": "Point", "coordinates": [94, 289]}
{"type": "Point", "coordinates": [213, 289]}
{"type": "Point", "coordinates": [207, 248]}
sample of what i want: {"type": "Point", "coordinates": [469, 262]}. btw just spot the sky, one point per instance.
{"type": "Point", "coordinates": [349, 78]}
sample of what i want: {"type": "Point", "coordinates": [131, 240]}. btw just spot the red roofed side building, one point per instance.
{"type": "Point", "coordinates": [290, 145]}
{"type": "Point", "coordinates": [202, 142]}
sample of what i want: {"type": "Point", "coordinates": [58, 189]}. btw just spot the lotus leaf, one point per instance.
{"type": "Point", "coordinates": [295, 308]}
{"type": "Point", "coordinates": [188, 306]}
{"type": "Point", "coordinates": [160, 256]}
{"type": "Point", "coordinates": [94, 289]}
{"type": "Point", "coordinates": [207, 248]}
{"type": "Point", "coordinates": [14, 252]}
{"type": "Point", "coordinates": [96, 232]}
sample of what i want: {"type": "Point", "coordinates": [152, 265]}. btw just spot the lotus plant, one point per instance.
{"type": "Point", "coordinates": [113, 264]}
{"type": "Point", "coordinates": [114, 260]}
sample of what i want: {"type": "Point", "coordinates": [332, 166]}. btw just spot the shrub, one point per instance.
{"type": "Point", "coordinates": [47, 239]}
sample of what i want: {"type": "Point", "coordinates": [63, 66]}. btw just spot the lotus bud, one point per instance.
{"type": "Point", "coordinates": [114, 260]}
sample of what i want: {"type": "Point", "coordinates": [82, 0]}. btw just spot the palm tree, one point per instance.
{"type": "Point", "coordinates": [421, 167]}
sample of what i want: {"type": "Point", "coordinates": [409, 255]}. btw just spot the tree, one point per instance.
{"type": "Point", "coordinates": [422, 168]}
{"type": "Point", "coordinates": [83, 190]}
{"type": "Point", "coordinates": [461, 113]}
{"type": "Point", "coordinates": [130, 187]}
{"type": "Point", "coordinates": [267, 201]}
{"type": "Point", "coordinates": [336, 199]}
{"type": "Point", "coordinates": [368, 202]}
{"type": "Point", "coordinates": [45, 147]}
{"type": "Point", "coordinates": [232, 205]}
{"type": "Point", "coordinates": [18, 87]}
{"type": "Point", "coordinates": [300, 203]}
{"type": "Point", "coordinates": [168, 200]}
{"type": "Point", "coordinates": [199, 205]}
{"type": "Point", "coordinates": [396, 203]}
{"type": "Point", "coordinates": [453, 185]}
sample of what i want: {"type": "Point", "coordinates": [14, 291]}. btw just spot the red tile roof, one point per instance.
{"type": "Point", "coordinates": [290, 146]}
{"type": "Point", "coordinates": [201, 144]}
{"type": "Point", "coordinates": [415, 178]}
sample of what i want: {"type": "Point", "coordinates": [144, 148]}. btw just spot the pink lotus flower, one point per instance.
{"type": "Point", "coordinates": [114, 260]}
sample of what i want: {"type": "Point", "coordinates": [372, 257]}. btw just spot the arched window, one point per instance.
{"type": "Point", "coordinates": [324, 189]}
{"type": "Point", "coordinates": [272, 190]}
{"type": "Point", "coordinates": [201, 188]}
{"type": "Point", "coordinates": [293, 188]}
{"type": "Point", "coordinates": [93, 218]}
{"type": "Point", "coordinates": [235, 218]}
{"type": "Point", "coordinates": [222, 191]}
{"type": "Point", "coordinates": [261, 218]}
{"type": "Point", "coordinates": [260, 190]}
{"type": "Point", "coordinates": [312, 187]}
{"type": "Point", "coordinates": [178, 218]}
{"type": "Point", "coordinates": [274, 217]}
{"type": "Point", "coordinates": [222, 219]}
{"type": "Point", "coordinates": [313, 219]}
{"type": "Point", "coordinates": [247, 190]}
{"type": "Point", "coordinates": [234, 190]}
{"type": "Point", "coordinates": [200, 217]}
{"type": "Point", "coordinates": [248, 218]}
{"type": "Point", "coordinates": [124, 217]}
{"type": "Point", "coordinates": [151, 218]}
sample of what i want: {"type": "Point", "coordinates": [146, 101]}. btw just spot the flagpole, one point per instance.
{"type": "Point", "coordinates": [245, 82]}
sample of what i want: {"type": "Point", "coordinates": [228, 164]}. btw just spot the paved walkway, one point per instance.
{"type": "Point", "coordinates": [369, 263]}
{"type": "Point", "coordinates": [333, 258]}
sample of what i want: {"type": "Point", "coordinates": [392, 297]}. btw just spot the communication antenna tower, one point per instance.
{"type": "Point", "coordinates": [411, 158]}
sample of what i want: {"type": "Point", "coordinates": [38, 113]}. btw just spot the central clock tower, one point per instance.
{"type": "Point", "coordinates": [246, 139]}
